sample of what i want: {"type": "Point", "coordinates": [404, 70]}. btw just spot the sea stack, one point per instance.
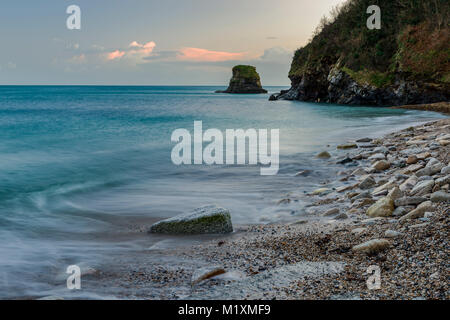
{"type": "Point", "coordinates": [245, 80]}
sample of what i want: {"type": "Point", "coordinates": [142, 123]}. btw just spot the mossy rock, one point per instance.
{"type": "Point", "coordinates": [245, 72]}
{"type": "Point", "coordinates": [204, 220]}
{"type": "Point", "coordinates": [245, 80]}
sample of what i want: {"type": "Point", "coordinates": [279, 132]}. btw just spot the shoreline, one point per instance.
{"type": "Point", "coordinates": [312, 257]}
{"type": "Point", "coordinates": [442, 107]}
{"type": "Point", "coordinates": [317, 259]}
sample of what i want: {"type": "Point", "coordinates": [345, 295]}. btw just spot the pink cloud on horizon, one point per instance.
{"type": "Point", "coordinates": [115, 55]}
{"type": "Point", "coordinates": [145, 48]}
{"type": "Point", "coordinates": [204, 55]}
{"type": "Point", "coordinates": [135, 51]}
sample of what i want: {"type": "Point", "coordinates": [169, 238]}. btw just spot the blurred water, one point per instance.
{"type": "Point", "coordinates": [76, 160]}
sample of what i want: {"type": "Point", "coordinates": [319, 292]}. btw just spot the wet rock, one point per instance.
{"type": "Point", "coordinates": [381, 165]}
{"type": "Point", "coordinates": [345, 188]}
{"type": "Point", "coordinates": [345, 160]}
{"type": "Point", "coordinates": [347, 146]}
{"type": "Point", "coordinates": [419, 226]}
{"type": "Point", "coordinates": [359, 172]}
{"type": "Point", "coordinates": [395, 194]}
{"type": "Point", "coordinates": [423, 156]}
{"type": "Point", "coordinates": [410, 151]}
{"type": "Point", "coordinates": [372, 246]}
{"type": "Point", "coordinates": [409, 184]}
{"type": "Point", "coordinates": [416, 142]}
{"type": "Point", "coordinates": [424, 178]}
{"type": "Point", "coordinates": [341, 216]}
{"type": "Point", "coordinates": [384, 189]}
{"type": "Point", "coordinates": [303, 173]}
{"type": "Point", "coordinates": [411, 169]}
{"type": "Point", "coordinates": [392, 234]}
{"type": "Point", "coordinates": [284, 201]}
{"type": "Point", "coordinates": [443, 181]}
{"type": "Point", "coordinates": [435, 146]}
{"type": "Point", "coordinates": [440, 196]}
{"type": "Point", "coordinates": [409, 201]}
{"type": "Point", "coordinates": [364, 140]}
{"type": "Point", "coordinates": [429, 171]}
{"type": "Point", "coordinates": [331, 212]}
{"type": "Point", "coordinates": [380, 193]}
{"type": "Point", "coordinates": [362, 195]}
{"type": "Point", "coordinates": [377, 156]}
{"type": "Point", "coordinates": [445, 170]}
{"type": "Point", "coordinates": [381, 149]}
{"type": "Point", "coordinates": [401, 211]}
{"type": "Point", "coordinates": [418, 212]}
{"type": "Point", "coordinates": [412, 159]}
{"type": "Point", "coordinates": [382, 208]}
{"type": "Point", "coordinates": [205, 220]}
{"type": "Point", "coordinates": [423, 188]}
{"type": "Point", "coordinates": [321, 191]}
{"type": "Point", "coordinates": [382, 182]}
{"type": "Point", "coordinates": [367, 183]}
{"type": "Point", "coordinates": [324, 155]}
{"type": "Point", "coordinates": [364, 202]}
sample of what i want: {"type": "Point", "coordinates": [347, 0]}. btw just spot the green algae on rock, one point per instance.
{"type": "Point", "coordinates": [204, 220]}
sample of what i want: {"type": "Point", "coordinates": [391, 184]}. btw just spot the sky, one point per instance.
{"type": "Point", "coordinates": [153, 42]}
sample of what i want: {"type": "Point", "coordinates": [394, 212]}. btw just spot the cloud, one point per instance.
{"type": "Point", "coordinates": [78, 59]}
{"type": "Point", "coordinates": [163, 56]}
{"type": "Point", "coordinates": [142, 49]}
{"type": "Point", "coordinates": [276, 54]}
{"type": "Point", "coordinates": [135, 52]}
{"type": "Point", "coordinates": [204, 55]}
{"type": "Point", "coordinates": [115, 55]}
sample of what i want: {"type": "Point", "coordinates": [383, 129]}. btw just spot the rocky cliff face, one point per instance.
{"type": "Point", "coordinates": [245, 80]}
{"type": "Point", "coordinates": [407, 61]}
{"type": "Point", "coordinates": [336, 86]}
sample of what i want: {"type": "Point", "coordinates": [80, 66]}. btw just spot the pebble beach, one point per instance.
{"type": "Point", "coordinates": [391, 211]}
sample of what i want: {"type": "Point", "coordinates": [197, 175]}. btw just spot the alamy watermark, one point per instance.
{"type": "Point", "coordinates": [236, 146]}
{"type": "Point", "coordinates": [73, 22]}
{"type": "Point", "coordinates": [374, 281]}
{"type": "Point", "coordinates": [74, 278]}
{"type": "Point", "coordinates": [374, 21]}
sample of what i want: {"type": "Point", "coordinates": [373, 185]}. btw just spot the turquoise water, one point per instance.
{"type": "Point", "coordinates": [76, 160]}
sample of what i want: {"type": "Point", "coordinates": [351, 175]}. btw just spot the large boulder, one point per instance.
{"type": "Point", "coordinates": [382, 208]}
{"type": "Point", "coordinates": [245, 80]}
{"type": "Point", "coordinates": [205, 220]}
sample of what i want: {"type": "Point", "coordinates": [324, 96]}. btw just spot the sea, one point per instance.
{"type": "Point", "coordinates": [83, 168]}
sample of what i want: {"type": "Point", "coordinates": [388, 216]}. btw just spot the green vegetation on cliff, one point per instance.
{"type": "Point", "coordinates": [413, 41]}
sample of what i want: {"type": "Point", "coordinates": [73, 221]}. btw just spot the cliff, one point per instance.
{"type": "Point", "coordinates": [245, 80]}
{"type": "Point", "coordinates": [407, 61]}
